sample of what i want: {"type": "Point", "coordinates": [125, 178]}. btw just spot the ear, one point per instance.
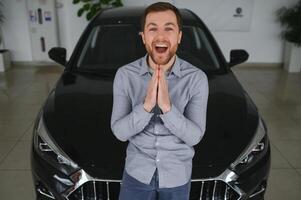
{"type": "Point", "coordinates": [179, 37]}
{"type": "Point", "coordinates": [142, 36]}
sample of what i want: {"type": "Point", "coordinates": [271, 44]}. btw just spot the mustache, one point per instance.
{"type": "Point", "coordinates": [161, 42]}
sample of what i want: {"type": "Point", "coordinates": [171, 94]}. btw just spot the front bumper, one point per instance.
{"type": "Point", "coordinates": [52, 184]}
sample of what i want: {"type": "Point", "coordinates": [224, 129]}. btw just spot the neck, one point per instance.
{"type": "Point", "coordinates": [165, 67]}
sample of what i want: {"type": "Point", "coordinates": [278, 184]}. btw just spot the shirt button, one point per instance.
{"type": "Point", "coordinates": [156, 132]}
{"type": "Point", "coordinates": [157, 143]}
{"type": "Point", "coordinates": [158, 160]}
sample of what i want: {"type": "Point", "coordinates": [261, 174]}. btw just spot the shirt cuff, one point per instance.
{"type": "Point", "coordinates": [141, 113]}
{"type": "Point", "coordinates": [172, 117]}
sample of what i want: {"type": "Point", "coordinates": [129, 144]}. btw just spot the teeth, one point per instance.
{"type": "Point", "coordinates": [161, 45]}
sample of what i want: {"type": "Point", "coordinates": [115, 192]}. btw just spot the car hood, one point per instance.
{"type": "Point", "coordinates": [77, 114]}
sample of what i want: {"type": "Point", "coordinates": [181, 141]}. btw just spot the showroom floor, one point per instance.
{"type": "Point", "coordinates": [276, 93]}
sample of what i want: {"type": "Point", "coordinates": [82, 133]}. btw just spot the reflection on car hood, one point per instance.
{"type": "Point", "coordinates": [78, 116]}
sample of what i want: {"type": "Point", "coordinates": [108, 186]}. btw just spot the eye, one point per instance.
{"type": "Point", "coordinates": [152, 29]}
{"type": "Point", "coordinates": [168, 29]}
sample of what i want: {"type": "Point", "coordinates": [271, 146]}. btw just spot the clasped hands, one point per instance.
{"type": "Point", "coordinates": [157, 92]}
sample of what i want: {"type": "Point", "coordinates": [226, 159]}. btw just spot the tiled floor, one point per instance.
{"type": "Point", "coordinates": [278, 97]}
{"type": "Point", "coordinates": [22, 91]}
{"type": "Point", "coordinates": [276, 93]}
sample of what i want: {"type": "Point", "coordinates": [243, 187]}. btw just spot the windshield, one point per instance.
{"type": "Point", "coordinates": [112, 46]}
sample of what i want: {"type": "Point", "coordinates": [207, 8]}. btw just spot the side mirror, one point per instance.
{"type": "Point", "coordinates": [58, 54]}
{"type": "Point", "coordinates": [237, 56]}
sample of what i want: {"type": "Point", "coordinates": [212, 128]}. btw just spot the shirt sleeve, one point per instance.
{"type": "Point", "coordinates": [190, 126]}
{"type": "Point", "coordinates": [125, 121]}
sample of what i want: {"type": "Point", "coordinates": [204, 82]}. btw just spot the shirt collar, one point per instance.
{"type": "Point", "coordinates": [175, 69]}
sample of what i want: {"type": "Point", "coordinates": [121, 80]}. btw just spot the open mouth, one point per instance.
{"type": "Point", "coordinates": [161, 48]}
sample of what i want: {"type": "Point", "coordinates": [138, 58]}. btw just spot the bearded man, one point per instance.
{"type": "Point", "coordinates": [159, 106]}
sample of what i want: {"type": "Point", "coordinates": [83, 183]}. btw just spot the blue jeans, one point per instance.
{"type": "Point", "coordinates": [132, 189]}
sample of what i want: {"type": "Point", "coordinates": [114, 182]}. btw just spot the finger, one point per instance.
{"type": "Point", "coordinates": [160, 85]}
{"type": "Point", "coordinates": [155, 90]}
{"type": "Point", "coordinates": [156, 80]}
{"type": "Point", "coordinates": [162, 73]}
{"type": "Point", "coordinates": [163, 83]}
{"type": "Point", "coordinates": [154, 74]}
{"type": "Point", "coordinates": [156, 83]}
{"type": "Point", "coordinates": [154, 77]}
{"type": "Point", "coordinates": [159, 76]}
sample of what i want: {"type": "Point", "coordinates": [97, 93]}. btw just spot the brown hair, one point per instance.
{"type": "Point", "coordinates": [158, 7]}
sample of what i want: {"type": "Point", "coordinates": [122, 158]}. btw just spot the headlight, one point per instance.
{"type": "Point", "coordinates": [255, 150]}
{"type": "Point", "coordinates": [51, 152]}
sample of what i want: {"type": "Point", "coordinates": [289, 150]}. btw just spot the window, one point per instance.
{"type": "Point", "coordinates": [111, 46]}
{"type": "Point", "coordinates": [196, 49]}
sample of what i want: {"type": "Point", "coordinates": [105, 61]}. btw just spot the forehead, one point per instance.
{"type": "Point", "coordinates": [161, 17]}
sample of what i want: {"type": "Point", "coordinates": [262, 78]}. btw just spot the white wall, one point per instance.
{"type": "Point", "coordinates": [262, 41]}
{"type": "Point", "coordinates": [16, 33]}
{"type": "Point", "coordinates": [70, 26]}
{"type": "Point", "coordinates": [16, 30]}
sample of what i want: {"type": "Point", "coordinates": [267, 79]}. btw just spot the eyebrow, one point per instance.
{"type": "Point", "coordinates": [167, 24]}
{"type": "Point", "coordinates": [151, 24]}
{"type": "Point", "coordinates": [170, 23]}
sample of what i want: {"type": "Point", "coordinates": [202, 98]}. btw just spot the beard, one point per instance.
{"type": "Point", "coordinates": [161, 58]}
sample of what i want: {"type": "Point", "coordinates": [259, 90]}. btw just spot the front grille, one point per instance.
{"type": "Point", "coordinates": [96, 190]}
{"type": "Point", "coordinates": [212, 190]}
{"type": "Point", "coordinates": [200, 190]}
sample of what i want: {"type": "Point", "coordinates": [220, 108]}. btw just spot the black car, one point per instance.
{"type": "Point", "coordinates": [74, 152]}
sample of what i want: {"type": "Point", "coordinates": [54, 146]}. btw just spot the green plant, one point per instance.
{"type": "Point", "coordinates": [290, 19]}
{"type": "Point", "coordinates": [92, 7]}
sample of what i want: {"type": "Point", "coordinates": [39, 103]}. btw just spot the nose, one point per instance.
{"type": "Point", "coordinates": [161, 34]}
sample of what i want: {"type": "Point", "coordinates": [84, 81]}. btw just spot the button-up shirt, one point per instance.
{"type": "Point", "coordinates": [162, 141]}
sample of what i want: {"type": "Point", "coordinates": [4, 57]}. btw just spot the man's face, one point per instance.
{"type": "Point", "coordinates": [161, 36]}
